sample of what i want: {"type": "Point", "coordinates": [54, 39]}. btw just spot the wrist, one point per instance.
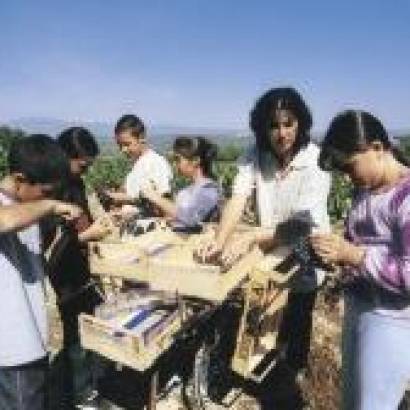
{"type": "Point", "coordinates": [355, 255]}
{"type": "Point", "coordinates": [50, 205]}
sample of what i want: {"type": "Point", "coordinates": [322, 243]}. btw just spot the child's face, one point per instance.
{"type": "Point", "coordinates": [131, 146]}
{"type": "Point", "coordinates": [283, 129]}
{"type": "Point", "coordinates": [79, 166]}
{"type": "Point", "coordinates": [186, 167]}
{"type": "Point", "coordinates": [365, 168]}
{"type": "Point", "coordinates": [27, 191]}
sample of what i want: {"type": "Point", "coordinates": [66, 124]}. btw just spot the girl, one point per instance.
{"type": "Point", "coordinates": [67, 263]}
{"type": "Point", "coordinates": [375, 256]}
{"type": "Point", "coordinates": [199, 201]}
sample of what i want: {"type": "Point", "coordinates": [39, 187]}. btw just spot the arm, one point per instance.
{"type": "Point", "coordinates": [231, 216]}
{"type": "Point", "coordinates": [97, 230]}
{"type": "Point", "coordinates": [120, 198]}
{"type": "Point", "coordinates": [19, 216]}
{"type": "Point", "coordinates": [166, 205]}
{"type": "Point", "coordinates": [386, 264]}
{"type": "Point", "coordinates": [241, 190]}
{"type": "Point", "coordinates": [389, 266]}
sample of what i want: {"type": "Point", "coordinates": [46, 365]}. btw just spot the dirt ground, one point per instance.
{"type": "Point", "coordinates": [318, 390]}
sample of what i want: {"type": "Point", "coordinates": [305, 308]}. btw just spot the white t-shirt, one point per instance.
{"type": "Point", "coordinates": [303, 186]}
{"type": "Point", "coordinates": [151, 168]}
{"type": "Point", "coordinates": [23, 320]}
{"type": "Point", "coordinates": [298, 192]}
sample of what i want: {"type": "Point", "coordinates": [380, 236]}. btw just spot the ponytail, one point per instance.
{"type": "Point", "coordinates": [198, 147]}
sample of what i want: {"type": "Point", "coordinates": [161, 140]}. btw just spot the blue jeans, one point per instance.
{"type": "Point", "coordinates": [24, 387]}
{"type": "Point", "coordinates": [376, 357]}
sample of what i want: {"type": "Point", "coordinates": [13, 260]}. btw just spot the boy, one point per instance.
{"type": "Point", "coordinates": [36, 166]}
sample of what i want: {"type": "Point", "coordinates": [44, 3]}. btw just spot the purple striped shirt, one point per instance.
{"type": "Point", "coordinates": [381, 223]}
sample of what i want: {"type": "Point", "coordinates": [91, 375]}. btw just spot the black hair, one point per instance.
{"type": "Point", "coordinates": [78, 142]}
{"type": "Point", "coordinates": [132, 123]}
{"type": "Point", "coordinates": [39, 158]}
{"type": "Point", "coordinates": [197, 147]}
{"type": "Point", "coordinates": [352, 131]}
{"type": "Point", "coordinates": [281, 98]}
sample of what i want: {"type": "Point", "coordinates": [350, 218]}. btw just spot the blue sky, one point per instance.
{"type": "Point", "coordinates": [202, 62]}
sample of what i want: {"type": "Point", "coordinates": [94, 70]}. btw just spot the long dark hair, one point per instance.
{"type": "Point", "coordinates": [197, 147]}
{"type": "Point", "coordinates": [352, 131]}
{"type": "Point", "coordinates": [282, 98]}
{"type": "Point", "coordinates": [78, 142]}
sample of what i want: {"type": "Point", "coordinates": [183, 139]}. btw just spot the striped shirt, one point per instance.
{"type": "Point", "coordinates": [380, 222]}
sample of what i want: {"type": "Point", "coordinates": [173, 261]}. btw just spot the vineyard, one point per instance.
{"type": "Point", "coordinates": [320, 390]}
{"type": "Point", "coordinates": [110, 168]}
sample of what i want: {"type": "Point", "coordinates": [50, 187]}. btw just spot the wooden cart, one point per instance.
{"type": "Point", "coordinates": [163, 260]}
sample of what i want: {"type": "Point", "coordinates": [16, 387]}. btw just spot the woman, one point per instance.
{"type": "Point", "coordinates": [198, 202]}
{"type": "Point", "coordinates": [291, 195]}
{"type": "Point", "coordinates": [375, 257]}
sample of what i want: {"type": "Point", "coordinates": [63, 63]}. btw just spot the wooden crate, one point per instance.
{"type": "Point", "coordinates": [164, 260]}
{"type": "Point", "coordinates": [123, 346]}
{"type": "Point", "coordinates": [265, 297]}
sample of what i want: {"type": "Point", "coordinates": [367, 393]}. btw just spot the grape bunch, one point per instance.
{"type": "Point", "coordinates": [305, 256]}
{"type": "Point", "coordinates": [135, 226]}
{"type": "Point", "coordinates": [105, 200]}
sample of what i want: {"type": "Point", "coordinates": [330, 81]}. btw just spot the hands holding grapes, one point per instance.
{"type": "Point", "coordinates": [334, 249]}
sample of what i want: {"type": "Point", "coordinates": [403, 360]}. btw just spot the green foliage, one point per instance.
{"type": "Point", "coordinates": [340, 197]}
{"type": "Point", "coordinates": [7, 136]}
{"type": "Point", "coordinates": [107, 172]}
{"type": "Point", "coordinates": [225, 173]}
{"type": "Point", "coordinates": [110, 171]}
{"type": "Point", "coordinates": [404, 145]}
{"type": "Point", "coordinates": [230, 152]}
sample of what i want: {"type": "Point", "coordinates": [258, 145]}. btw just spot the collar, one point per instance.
{"type": "Point", "coordinates": [205, 181]}
{"type": "Point", "coordinates": [306, 157]}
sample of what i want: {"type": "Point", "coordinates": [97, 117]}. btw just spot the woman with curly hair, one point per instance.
{"type": "Point", "coordinates": [291, 198]}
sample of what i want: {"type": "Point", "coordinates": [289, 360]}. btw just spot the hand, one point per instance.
{"type": "Point", "coordinates": [149, 193]}
{"type": "Point", "coordinates": [69, 212]}
{"type": "Point", "coordinates": [117, 197]}
{"type": "Point", "coordinates": [236, 249]}
{"type": "Point", "coordinates": [100, 228]}
{"type": "Point", "coordinates": [208, 252]}
{"type": "Point", "coordinates": [333, 248]}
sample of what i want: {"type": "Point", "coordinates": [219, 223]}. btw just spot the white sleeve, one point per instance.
{"type": "Point", "coordinates": [245, 178]}
{"type": "Point", "coordinates": [132, 184]}
{"type": "Point", "coordinates": [312, 197]}
{"type": "Point", "coordinates": [163, 176]}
